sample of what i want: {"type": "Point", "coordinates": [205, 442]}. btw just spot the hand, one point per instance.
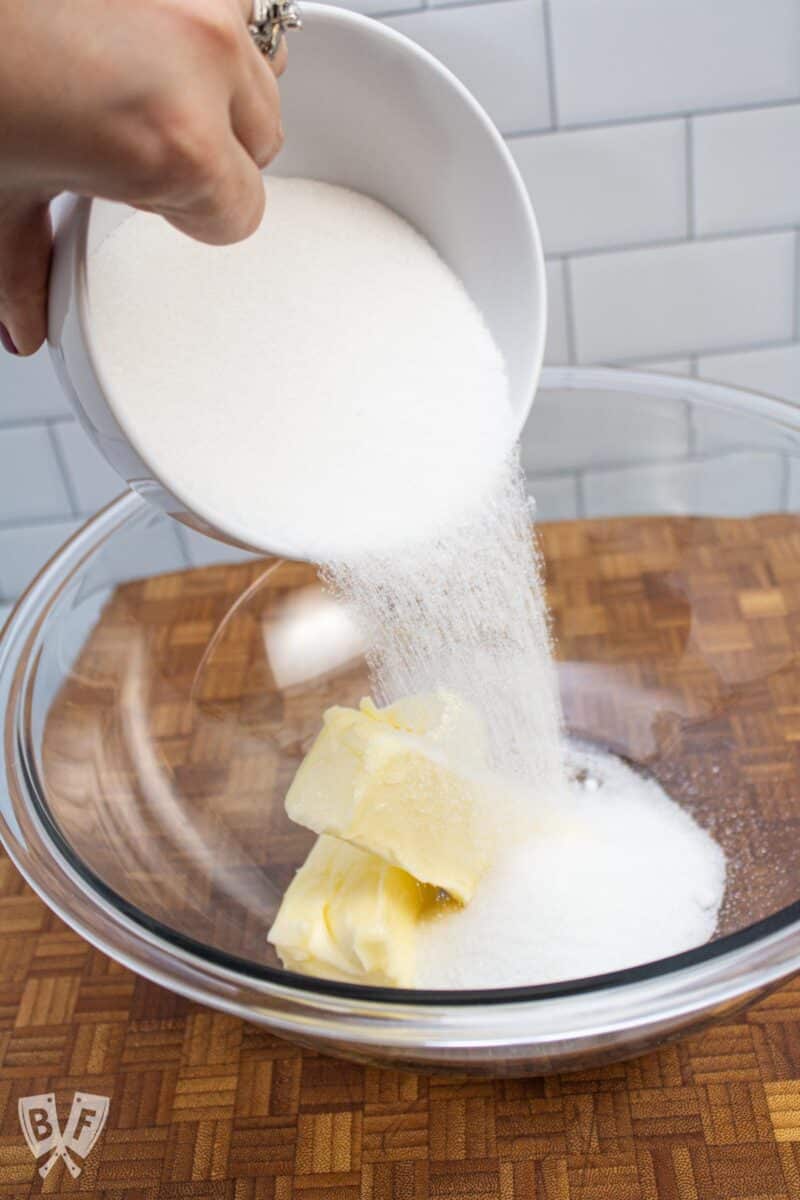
{"type": "Point", "coordinates": [164, 104]}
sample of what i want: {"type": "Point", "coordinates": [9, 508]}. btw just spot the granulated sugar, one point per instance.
{"type": "Point", "coordinates": [615, 875]}
{"type": "Point", "coordinates": [465, 611]}
{"type": "Point", "coordinates": [326, 386]}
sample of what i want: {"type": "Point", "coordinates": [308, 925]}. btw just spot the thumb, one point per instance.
{"type": "Point", "coordinates": [26, 242]}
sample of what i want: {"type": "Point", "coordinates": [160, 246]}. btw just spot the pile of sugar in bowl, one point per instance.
{"type": "Point", "coordinates": [329, 388]}
{"type": "Point", "coordinates": [327, 384]}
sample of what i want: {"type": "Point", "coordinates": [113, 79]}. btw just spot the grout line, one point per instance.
{"type": "Point", "coordinates": [552, 476]}
{"type": "Point", "coordinates": [598, 126]}
{"type": "Point", "coordinates": [35, 422]}
{"type": "Point", "coordinates": [569, 312]}
{"type": "Point", "coordinates": [644, 363]}
{"type": "Point", "coordinates": [182, 534]}
{"type": "Point", "coordinates": [737, 348]}
{"type": "Point", "coordinates": [730, 235]}
{"type": "Point", "coordinates": [25, 523]}
{"type": "Point", "coordinates": [786, 484]}
{"type": "Point", "coordinates": [427, 6]}
{"type": "Point", "coordinates": [691, 429]}
{"type": "Point", "coordinates": [550, 62]}
{"type": "Point", "coordinates": [677, 114]}
{"type": "Point", "coordinates": [449, 4]}
{"type": "Point", "coordinates": [797, 282]}
{"type": "Point", "coordinates": [687, 458]}
{"type": "Point", "coordinates": [580, 493]}
{"type": "Point", "coordinates": [65, 472]}
{"type": "Point", "coordinates": [389, 14]}
{"type": "Point", "coordinates": [691, 214]}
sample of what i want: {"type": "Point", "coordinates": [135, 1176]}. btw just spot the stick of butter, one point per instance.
{"type": "Point", "coordinates": [382, 780]}
{"type": "Point", "coordinates": [445, 720]}
{"type": "Point", "coordinates": [349, 915]}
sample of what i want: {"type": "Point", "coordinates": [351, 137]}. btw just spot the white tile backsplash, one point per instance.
{"type": "Point", "coordinates": [774, 371]}
{"type": "Point", "coordinates": [747, 169]}
{"type": "Point", "coordinates": [616, 59]}
{"type": "Point", "coordinates": [25, 549]}
{"type": "Point", "coordinates": [694, 296]}
{"type": "Point", "coordinates": [730, 485]}
{"type": "Point", "coordinates": [31, 483]}
{"type": "Point", "coordinates": [716, 430]}
{"type": "Point", "coordinates": [557, 348]}
{"type": "Point", "coordinates": [670, 127]}
{"type": "Point", "coordinates": [93, 481]}
{"type": "Point", "coordinates": [29, 389]}
{"type": "Point", "coordinates": [564, 434]}
{"type": "Point", "coordinates": [604, 187]}
{"type": "Point", "coordinates": [497, 50]}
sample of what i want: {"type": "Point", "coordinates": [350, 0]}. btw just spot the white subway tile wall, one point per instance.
{"type": "Point", "coordinates": [775, 371]}
{"type": "Point", "coordinates": [29, 390]}
{"type": "Point", "coordinates": [747, 169]}
{"type": "Point", "coordinates": [613, 186]}
{"type": "Point", "coordinates": [557, 348]}
{"type": "Point", "coordinates": [648, 431]}
{"type": "Point", "coordinates": [697, 295]}
{"type": "Point", "coordinates": [717, 430]}
{"type": "Point", "coordinates": [660, 143]}
{"type": "Point", "coordinates": [28, 455]}
{"type": "Point", "coordinates": [25, 548]}
{"type": "Point", "coordinates": [728, 485]}
{"type": "Point", "coordinates": [497, 50]}
{"type": "Point", "coordinates": [91, 481]}
{"type": "Point", "coordinates": [618, 59]}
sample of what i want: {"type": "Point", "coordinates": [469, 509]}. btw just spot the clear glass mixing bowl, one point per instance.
{"type": "Point", "coordinates": [155, 714]}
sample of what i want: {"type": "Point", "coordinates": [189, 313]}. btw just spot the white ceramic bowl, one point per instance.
{"type": "Point", "coordinates": [368, 109]}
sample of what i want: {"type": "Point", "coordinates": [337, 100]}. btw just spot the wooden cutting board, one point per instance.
{"type": "Point", "coordinates": [204, 1105]}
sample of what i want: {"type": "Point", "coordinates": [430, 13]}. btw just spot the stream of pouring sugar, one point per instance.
{"type": "Point", "coordinates": [465, 610]}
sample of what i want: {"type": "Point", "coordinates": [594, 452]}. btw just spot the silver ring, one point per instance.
{"type": "Point", "coordinates": [269, 22]}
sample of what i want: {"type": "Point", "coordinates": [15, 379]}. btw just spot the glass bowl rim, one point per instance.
{"type": "Point", "coordinates": [714, 972]}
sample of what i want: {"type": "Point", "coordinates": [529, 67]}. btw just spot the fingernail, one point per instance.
{"type": "Point", "coordinates": [5, 338]}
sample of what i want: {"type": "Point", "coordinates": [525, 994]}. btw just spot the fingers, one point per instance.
{"type": "Point", "coordinates": [256, 111]}
{"type": "Point", "coordinates": [278, 63]}
{"type": "Point", "coordinates": [26, 243]}
{"type": "Point", "coordinates": [256, 105]}
{"type": "Point", "coordinates": [229, 206]}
